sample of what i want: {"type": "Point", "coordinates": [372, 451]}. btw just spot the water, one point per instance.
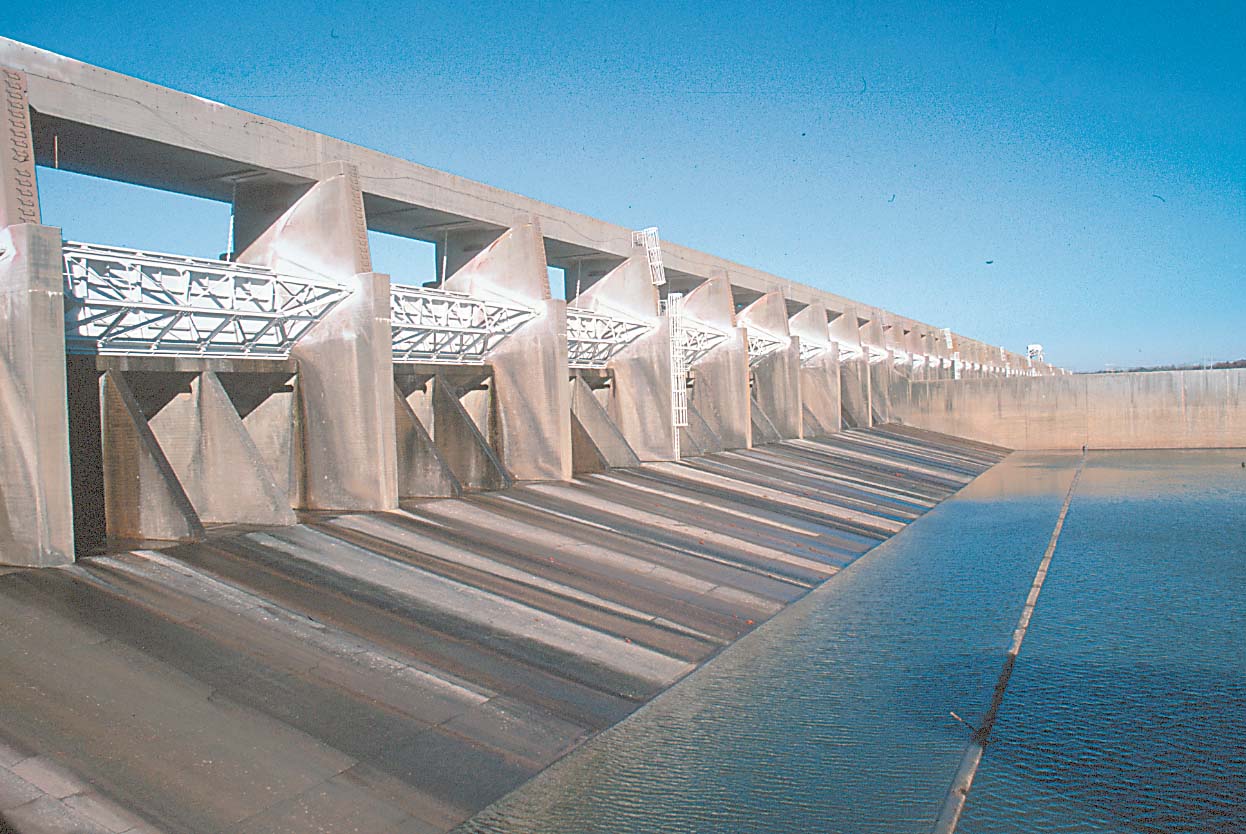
{"type": "Point", "coordinates": [1125, 712]}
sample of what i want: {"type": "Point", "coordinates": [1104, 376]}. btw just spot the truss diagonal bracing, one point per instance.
{"type": "Point", "coordinates": [693, 339]}
{"type": "Point", "coordinates": [449, 328]}
{"type": "Point", "coordinates": [761, 345]}
{"type": "Point", "coordinates": [133, 303]}
{"type": "Point", "coordinates": [810, 351]}
{"type": "Point", "coordinates": [593, 338]}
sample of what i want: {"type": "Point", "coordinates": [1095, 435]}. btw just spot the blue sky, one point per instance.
{"type": "Point", "coordinates": [1094, 153]}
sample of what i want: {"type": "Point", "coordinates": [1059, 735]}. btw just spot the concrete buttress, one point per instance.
{"type": "Point", "coordinates": [720, 388]}
{"type": "Point", "coordinates": [345, 362]}
{"type": "Point", "coordinates": [36, 516]}
{"type": "Point", "coordinates": [819, 372]}
{"type": "Point", "coordinates": [776, 376]}
{"type": "Point", "coordinates": [530, 416]}
{"type": "Point", "coordinates": [639, 400]}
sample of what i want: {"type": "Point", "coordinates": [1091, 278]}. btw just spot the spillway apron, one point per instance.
{"type": "Point", "coordinates": [954, 802]}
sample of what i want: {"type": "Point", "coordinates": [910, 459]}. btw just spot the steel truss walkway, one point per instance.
{"type": "Point", "coordinates": [449, 328]}
{"type": "Point", "coordinates": [594, 338]}
{"type": "Point", "coordinates": [127, 302]}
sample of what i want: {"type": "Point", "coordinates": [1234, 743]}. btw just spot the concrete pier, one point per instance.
{"type": "Point", "coordinates": [288, 545]}
{"type": "Point", "coordinates": [36, 524]}
{"type": "Point", "coordinates": [820, 383]}
{"type": "Point", "coordinates": [776, 396]}
{"type": "Point", "coordinates": [404, 669]}
{"type": "Point", "coordinates": [720, 379]}
{"type": "Point", "coordinates": [309, 362]}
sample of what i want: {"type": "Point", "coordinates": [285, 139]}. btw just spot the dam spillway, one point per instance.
{"type": "Point", "coordinates": [408, 668]}
{"type": "Point", "coordinates": [289, 543]}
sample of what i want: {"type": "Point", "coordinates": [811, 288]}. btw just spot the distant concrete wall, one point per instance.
{"type": "Point", "coordinates": [1153, 410]}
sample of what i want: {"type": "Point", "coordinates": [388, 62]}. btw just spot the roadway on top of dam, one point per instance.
{"type": "Point", "coordinates": [99, 122]}
{"type": "Point", "coordinates": [402, 670]}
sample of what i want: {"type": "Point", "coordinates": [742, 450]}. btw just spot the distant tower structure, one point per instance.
{"type": "Point", "coordinates": [1035, 352]}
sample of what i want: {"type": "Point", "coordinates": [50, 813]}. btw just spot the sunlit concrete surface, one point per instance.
{"type": "Point", "coordinates": [401, 670]}
{"type": "Point", "coordinates": [1203, 409]}
{"type": "Point", "coordinates": [292, 547]}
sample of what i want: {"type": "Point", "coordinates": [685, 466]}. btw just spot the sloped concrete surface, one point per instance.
{"type": "Point", "coordinates": [399, 671]}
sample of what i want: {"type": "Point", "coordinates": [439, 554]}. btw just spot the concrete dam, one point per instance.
{"type": "Point", "coordinates": [287, 546]}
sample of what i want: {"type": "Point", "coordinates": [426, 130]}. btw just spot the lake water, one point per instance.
{"type": "Point", "coordinates": [1126, 712]}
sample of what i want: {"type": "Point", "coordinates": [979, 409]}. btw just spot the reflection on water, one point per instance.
{"type": "Point", "coordinates": [1031, 474]}
{"type": "Point", "coordinates": [1127, 710]}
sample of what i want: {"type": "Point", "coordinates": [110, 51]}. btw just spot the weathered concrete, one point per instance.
{"type": "Point", "coordinates": [19, 198]}
{"type": "Point", "coordinates": [819, 372]}
{"type": "Point", "coordinates": [720, 379]}
{"type": "Point", "coordinates": [764, 429]}
{"type": "Point", "coordinates": [463, 447]}
{"type": "Point", "coordinates": [881, 365]}
{"type": "Point", "coordinates": [346, 407]}
{"type": "Point", "coordinates": [1152, 410]}
{"type": "Point", "coordinates": [345, 365]}
{"type": "Point", "coordinates": [821, 386]}
{"type": "Point", "coordinates": [639, 400]}
{"type": "Point", "coordinates": [422, 471]}
{"type": "Point", "coordinates": [776, 390]}
{"type": "Point", "coordinates": [36, 517]}
{"type": "Point", "coordinates": [597, 427]}
{"type": "Point", "coordinates": [143, 498]}
{"type": "Point", "coordinates": [392, 671]}
{"type": "Point", "coordinates": [854, 372]}
{"type": "Point", "coordinates": [775, 378]}
{"type": "Point", "coordinates": [854, 390]}
{"type": "Point", "coordinates": [215, 460]}
{"type": "Point", "coordinates": [271, 416]}
{"type": "Point", "coordinates": [530, 401]}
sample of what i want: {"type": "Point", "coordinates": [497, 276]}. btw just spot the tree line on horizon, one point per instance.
{"type": "Point", "coordinates": [1189, 366]}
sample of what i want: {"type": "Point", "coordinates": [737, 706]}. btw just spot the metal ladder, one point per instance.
{"type": "Point", "coordinates": [648, 238]}
{"type": "Point", "coordinates": [674, 305]}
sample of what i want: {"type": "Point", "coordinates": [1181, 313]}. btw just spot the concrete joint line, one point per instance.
{"type": "Point", "coordinates": [958, 792]}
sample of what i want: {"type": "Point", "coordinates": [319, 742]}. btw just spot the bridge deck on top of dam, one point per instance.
{"type": "Point", "coordinates": [400, 671]}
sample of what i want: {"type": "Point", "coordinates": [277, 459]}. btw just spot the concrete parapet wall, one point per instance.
{"type": "Point", "coordinates": [1151, 410]}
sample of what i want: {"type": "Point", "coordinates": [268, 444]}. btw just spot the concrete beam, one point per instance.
{"type": "Point", "coordinates": [19, 197]}
{"type": "Point", "coordinates": [108, 124]}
